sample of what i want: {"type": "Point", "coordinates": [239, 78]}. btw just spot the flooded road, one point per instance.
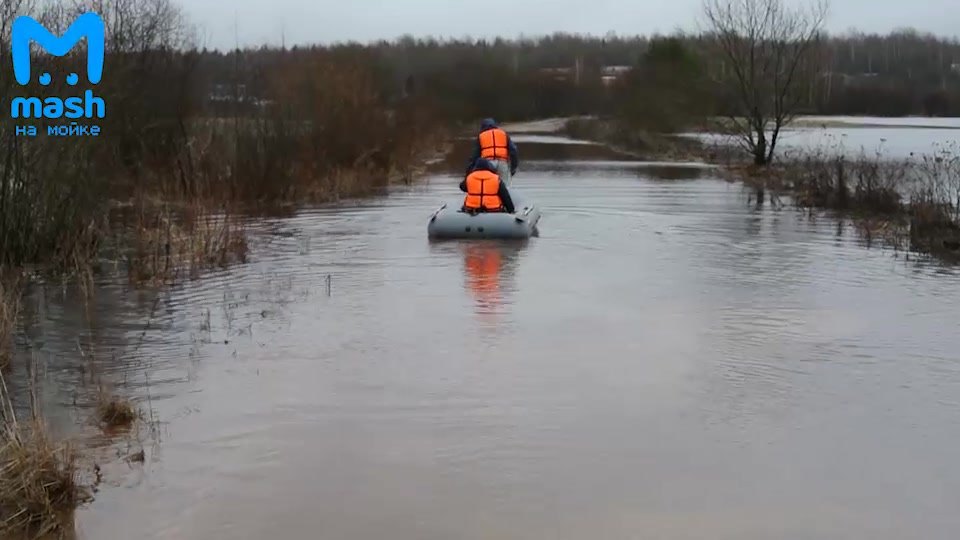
{"type": "Point", "coordinates": [664, 361]}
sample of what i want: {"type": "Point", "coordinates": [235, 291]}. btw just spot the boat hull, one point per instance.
{"type": "Point", "coordinates": [448, 222]}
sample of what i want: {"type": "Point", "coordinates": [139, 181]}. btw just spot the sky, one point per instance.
{"type": "Point", "coordinates": [221, 23]}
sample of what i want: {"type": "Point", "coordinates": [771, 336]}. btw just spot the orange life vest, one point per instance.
{"type": "Point", "coordinates": [483, 188]}
{"type": "Point", "coordinates": [493, 144]}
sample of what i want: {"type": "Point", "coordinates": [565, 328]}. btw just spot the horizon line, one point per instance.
{"type": "Point", "coordinates": [521, 37]}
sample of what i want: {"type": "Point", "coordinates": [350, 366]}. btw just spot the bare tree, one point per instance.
{"type": "Point", "coordinates": [767, 56]}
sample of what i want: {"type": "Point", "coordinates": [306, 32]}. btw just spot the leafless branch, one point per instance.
{"type": "Point", "coordinates": [768, 53]}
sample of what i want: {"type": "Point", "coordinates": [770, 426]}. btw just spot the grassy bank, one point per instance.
{"type": "Point", "coordinates": [639, 143]}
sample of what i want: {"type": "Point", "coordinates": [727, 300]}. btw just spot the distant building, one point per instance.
{"type": "Point", "coordinates": [227, 92]}
{"type": "Point", "coordinates": [608, 74]}
{"type": "Point", "coordinates": [222, 93]}
{"type": "Point", "coordinates": [837, 77]}
{"type": "Point", "coordinates": [846, 79]}
{"type": "Point", "coordinates": [557, 74]}
{"type": "Point", "coordinates": [611, 74]}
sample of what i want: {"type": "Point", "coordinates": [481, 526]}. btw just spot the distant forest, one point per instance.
{"type": "Point", "coordinates": [898, 74]}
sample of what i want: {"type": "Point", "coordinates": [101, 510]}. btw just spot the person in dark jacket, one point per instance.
{"type": "Point", "coordinates": [481, 196]}
{"type": "Point", "coordinates": [495, 145]}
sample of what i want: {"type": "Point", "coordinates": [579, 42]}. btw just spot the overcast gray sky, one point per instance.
{"type": "Point", "coordinates": [324, 21]}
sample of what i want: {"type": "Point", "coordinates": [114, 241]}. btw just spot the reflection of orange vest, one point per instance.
{"type": "Point", "coordinates": [493, 144]}
{"type": "Point", "coordinates": [483, 275]}
{"type": "Point", "coordinates": [482, 192]}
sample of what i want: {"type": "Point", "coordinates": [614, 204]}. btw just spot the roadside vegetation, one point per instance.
{"type": "Point", "coordinates": [39, 477]}
{"type": "Point", "coordinates": [9, 311]}
{"type": "Point", "coordinates": [914, 202]}
{"type": "Point", "coordinates": [758, 66]}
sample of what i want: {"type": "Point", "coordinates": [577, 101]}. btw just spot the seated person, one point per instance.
{"type": "Point", "coordinates": [494, 144]}
{"type": "Point", "coordinates": [485, 192]}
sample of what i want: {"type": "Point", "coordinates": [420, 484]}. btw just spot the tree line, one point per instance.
{"type": "Point", "coordinates": [901, 73]}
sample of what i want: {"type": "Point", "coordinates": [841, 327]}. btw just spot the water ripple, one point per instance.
{"type": "Point", "coordinates": [661, 341]}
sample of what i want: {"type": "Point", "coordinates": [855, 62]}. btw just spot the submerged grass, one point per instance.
{"type": "Point", "coordinates": [861, 185]}
{"type": "Point", "coordinates": [9, 310]}
{"type": "Point", "coordinates": [911, 202]}
{"type": "Point", "coordinates": [934, 227]}
{"type": "Point", "coordinates": [116, 412]}
{"type": "Point", "coordinates": [168, 243]}
{"type": "Point", "coordinates": [39, 479]}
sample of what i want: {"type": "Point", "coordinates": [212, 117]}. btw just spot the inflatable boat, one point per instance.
{"type": "Point", "coordinates": [450, 222]}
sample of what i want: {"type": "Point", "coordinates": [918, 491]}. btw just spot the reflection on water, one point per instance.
{"type": "Point", "coordinates": [666, 362]}
{"type": "Point", "coordinates": [489, 269]}
{"type": "Point", "coordinates": [870, 122]}
{"type": "Point", "coordinates": [540, 151]}
{"type": "Point", "coordinates": [547, 139]}
{"type": "Point", "coordinates": [605, 168]}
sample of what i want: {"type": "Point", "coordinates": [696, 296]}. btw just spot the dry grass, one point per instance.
{"type": "Point", "coordinates": [167, 244]}
{"type": "Point", "coordinates": [862, 185]}
{"type": "Point", "coordinates": [901, 202]}
{"type": "Point", "coordinates": [934, 227]}
{"type": "Point", "coordinates": [116, 412]}
{"type": "Point", "coordinates": [39, 480]}
{"type": "Point", "coordinates": [9, 310]}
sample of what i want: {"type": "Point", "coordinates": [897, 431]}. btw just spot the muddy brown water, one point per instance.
{"type": "Point", "coordinates": [664, 361]}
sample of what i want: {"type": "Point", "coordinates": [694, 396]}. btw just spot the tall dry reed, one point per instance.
{"type": "Point", "coordinates": [9, 311]}
{"type": "Point", "coordinates": [168, 243]}
{"type": "Point", "coordinates": [39, 479]}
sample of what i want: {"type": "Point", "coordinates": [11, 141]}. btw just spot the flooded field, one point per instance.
{"type": "Point", "coordinates": [664, 361]}
{"type": "Point", "coordinates": [894, 138]}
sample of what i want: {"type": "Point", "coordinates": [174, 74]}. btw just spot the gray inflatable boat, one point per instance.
{"type": "Point", "coordinates": [449, 222]}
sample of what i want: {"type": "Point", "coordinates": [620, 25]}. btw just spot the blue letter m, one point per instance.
{"type": "Point", "coordinates": [88, 25]}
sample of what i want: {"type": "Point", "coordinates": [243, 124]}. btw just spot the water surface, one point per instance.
{"type": "Point", "coordinates": [889, 138]}
{"type": "Point", "coordinates": [664, 361]}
